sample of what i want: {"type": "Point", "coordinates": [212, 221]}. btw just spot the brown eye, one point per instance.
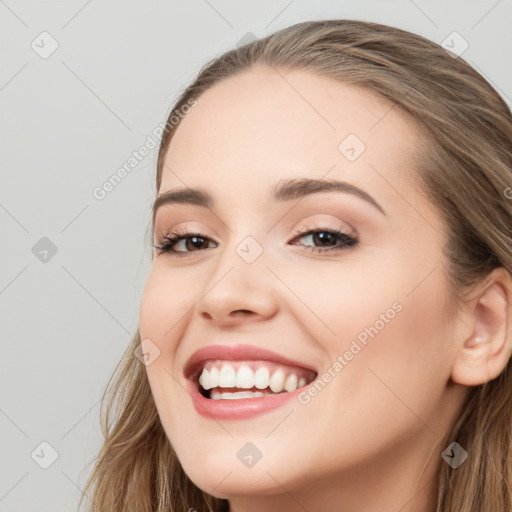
{"type": "Point", "coordinates": [336, 240]}
{"type": "Point", "coordinates": [192, 243]}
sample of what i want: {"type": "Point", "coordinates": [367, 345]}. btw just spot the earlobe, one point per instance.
{"type": "Point", "coordinates": [484, 354]}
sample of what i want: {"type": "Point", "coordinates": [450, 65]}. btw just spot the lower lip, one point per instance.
{"type": "Point", "coordinates": [238, 408]}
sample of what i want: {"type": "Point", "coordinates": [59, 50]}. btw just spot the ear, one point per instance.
{"type": "Point", "coordinates": [484, 354]}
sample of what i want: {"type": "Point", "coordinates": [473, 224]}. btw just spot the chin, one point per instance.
{"type": "Point", "coordinates": [228, 481]}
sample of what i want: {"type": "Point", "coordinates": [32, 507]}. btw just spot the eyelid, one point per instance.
{"type": "Point", "coordinates": [326, 222]}
{"type": "Point", "coordinates": [184, 226]}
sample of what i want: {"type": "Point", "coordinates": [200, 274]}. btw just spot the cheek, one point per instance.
{"type": "Point", "coordinates": [162, 317]}
{"type": "Point", "coordinates": [388, 324]}
{"type": "Point", "coordinates": [339, 300]}
{"type": "Point", "coordinates": [162, 309]}
{"type": "Point", "coordinates": [388, 367]}
{"type": "Point", "coordinates": [396, 347]}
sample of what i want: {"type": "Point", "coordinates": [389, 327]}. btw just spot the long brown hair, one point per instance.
{"type": "Point", "coordinates": [464, 167]}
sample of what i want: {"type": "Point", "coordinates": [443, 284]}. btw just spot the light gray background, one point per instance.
{"type": "Point", "coordinates": [67, 123]}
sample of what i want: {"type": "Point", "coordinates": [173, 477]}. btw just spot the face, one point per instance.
{"type": "Point", "coordinates": [338, 293]}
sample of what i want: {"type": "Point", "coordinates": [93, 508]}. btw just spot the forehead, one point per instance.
{"type": "Point", "coordinates": [253, 129]}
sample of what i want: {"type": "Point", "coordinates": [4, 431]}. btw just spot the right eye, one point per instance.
{"type": "Point", "coordinates": [168, 243]}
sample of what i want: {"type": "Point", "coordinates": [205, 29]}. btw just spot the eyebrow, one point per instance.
{"type": "Point", "coordinates": [284, 190]}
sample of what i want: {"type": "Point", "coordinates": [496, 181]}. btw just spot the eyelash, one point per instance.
{"type": "Point", "coordinates": [171, 239]}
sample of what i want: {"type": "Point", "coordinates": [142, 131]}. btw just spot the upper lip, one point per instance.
{"type": "Point", "coordinates": [236, 353]}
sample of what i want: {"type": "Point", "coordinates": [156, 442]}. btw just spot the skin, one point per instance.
{"type": "Point", "coordinates": [380, 424]}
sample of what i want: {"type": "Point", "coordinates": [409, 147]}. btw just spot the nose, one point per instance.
{"type": "Point", "coordinates": [238, 292]}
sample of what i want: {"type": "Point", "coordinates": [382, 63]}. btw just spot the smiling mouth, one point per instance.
{"type": "Point", "coordinates": [232, 380]}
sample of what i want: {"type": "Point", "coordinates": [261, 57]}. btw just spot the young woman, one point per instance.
{"type": "Point", "coordinates": [326, 324]}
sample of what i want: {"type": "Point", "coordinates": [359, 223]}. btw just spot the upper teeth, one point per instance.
{"type": "Point", "coordinates": [246, 378]}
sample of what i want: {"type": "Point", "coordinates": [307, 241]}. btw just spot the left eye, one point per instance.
{"type": "Point", "coordinates": [194, 242]}
{"type": "Point", "coordinates": [336, 240]}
